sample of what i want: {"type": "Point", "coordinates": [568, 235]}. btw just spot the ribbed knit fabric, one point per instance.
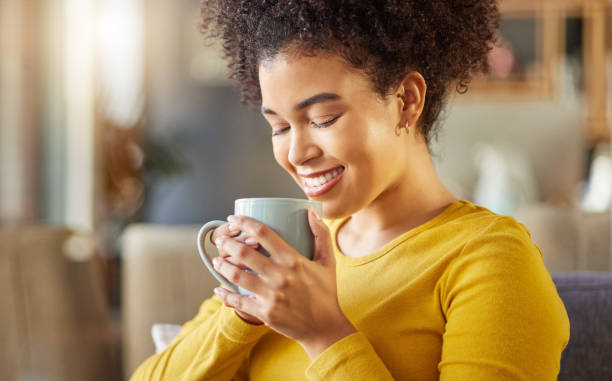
{"type": "Point", "coordinates": [463, 297]}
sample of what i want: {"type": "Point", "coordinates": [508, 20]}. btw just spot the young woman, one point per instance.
{"type": "Point", "coordinates": [407, 283]}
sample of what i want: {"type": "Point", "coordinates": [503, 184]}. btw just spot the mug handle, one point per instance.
{"type": "Point", "coordinates": [202, 241]}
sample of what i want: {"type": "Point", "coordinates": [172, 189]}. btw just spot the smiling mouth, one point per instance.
{"type": "Point", "coordinates": [318, 185]}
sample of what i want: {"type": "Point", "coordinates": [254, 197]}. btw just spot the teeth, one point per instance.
{"type": "Point", "coordinates": [320, 180]}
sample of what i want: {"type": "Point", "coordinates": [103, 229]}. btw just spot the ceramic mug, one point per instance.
{"type": "Point", "coordinates": [288, 217]}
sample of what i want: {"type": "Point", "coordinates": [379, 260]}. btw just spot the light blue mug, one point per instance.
{"type": "Point", "coordinates": [288, 217]}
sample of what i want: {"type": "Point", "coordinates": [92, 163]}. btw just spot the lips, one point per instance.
{"type": "Point", "coordinates": [321, 183]}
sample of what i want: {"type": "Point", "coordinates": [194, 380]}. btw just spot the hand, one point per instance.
{"type": "Point", "coordinates": [292, 295]}
{"type": "Point", "coordinates": [232, 232]}
{"type": "Point", "coordinates": [225, 231]}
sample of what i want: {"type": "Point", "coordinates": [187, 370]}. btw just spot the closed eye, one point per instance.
{"type": "Point", "coordinates": [326, 123]}
{"type": "Point", "coordinates": [279, 132]}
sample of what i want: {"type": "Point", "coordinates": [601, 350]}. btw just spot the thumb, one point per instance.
{"type": "Point", "coordinates": [323, 252]}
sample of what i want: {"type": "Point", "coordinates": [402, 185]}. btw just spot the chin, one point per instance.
{"type": "Point", "coordinates": [331, 211]}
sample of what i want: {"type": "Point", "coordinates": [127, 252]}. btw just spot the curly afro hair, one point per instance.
{"type": "Point", "coordinates": [447, 41]}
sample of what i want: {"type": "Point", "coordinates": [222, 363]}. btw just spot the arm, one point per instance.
{"type": "Point", "coordinates": [317, 322]}
{"type": "Point", "coordinates": [351, 358]}
{"type": "Point", "coordinates": [212, 346]}
{"type": "Point", "coordinates": [505, 320]}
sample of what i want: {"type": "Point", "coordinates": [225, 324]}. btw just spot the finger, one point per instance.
{"type": "Point", "coordinates": [323, 252]}
{"type": "Point", "coordinates": [238, 276]}
{"type": "Point", "coordinates": [241, 238]}
{"type": "Point", "coordinates": [247, 256]}
{"type": "Point", "coordinates": [279, 249]}
{"type": "Point", "coordinates": [223, 230]}
{"type": "Point", "coordinates": [250, 241]}
{"type": "Point", "coordinates": [226, 231]}
{"type": "Point", "coordinates": [234, 261]}
{"type": "Point", "coordinates": [228, 257]}
{"type": "Point", "coordinates": [230, 230]}
{"type": "Point", "coordinates": [244, 303]}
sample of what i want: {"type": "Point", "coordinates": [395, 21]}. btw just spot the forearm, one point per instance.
{"type": "Point", "coordinates": [350, 358]}
{"type": "Point", "coordinates": [213, 350]}
{"type": "Point", "coordinates": [337, 332]}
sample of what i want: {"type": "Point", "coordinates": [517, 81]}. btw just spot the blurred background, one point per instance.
{"type": "Point", "coordinates": [120, 134]}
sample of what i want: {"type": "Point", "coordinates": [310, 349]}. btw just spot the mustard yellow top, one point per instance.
{"type": "Point", "coordinates": [463, 297]}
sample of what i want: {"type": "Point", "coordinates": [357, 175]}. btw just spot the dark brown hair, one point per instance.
{"type": "Point", "coordinates": [447, 41]}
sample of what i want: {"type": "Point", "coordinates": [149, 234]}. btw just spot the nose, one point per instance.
{"type": "Point", "coordinates": [303, 147]}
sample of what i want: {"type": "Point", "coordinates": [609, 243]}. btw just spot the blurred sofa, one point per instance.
{"type": "Point", "coordinates": [528, 159]}
{"type": "Point", "coordinates": [588, 300]}
{"type": "Point", "coordinates": [569, 239]}
{"type": "Point", "coordinates": [164, 281]}
{"type": "Point", "coordinates": [55, 323]}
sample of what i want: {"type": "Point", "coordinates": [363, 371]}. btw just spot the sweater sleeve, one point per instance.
{"type": "Point", "coordinates": [214, 345]}
{"type": "Point", "coordinates": [350, 358]}
{"type": "Point", "coordinates": [504, 317]}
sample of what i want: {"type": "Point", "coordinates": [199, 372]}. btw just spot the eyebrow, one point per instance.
{"type": "Point", "coordinates": [319, 98]}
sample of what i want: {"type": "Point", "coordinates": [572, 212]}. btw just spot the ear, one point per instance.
{"type": "Point", "coordinates": [411, 96]}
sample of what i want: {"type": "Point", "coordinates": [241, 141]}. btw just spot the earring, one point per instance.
{"type": "Point", "coordinates": [398, 129]}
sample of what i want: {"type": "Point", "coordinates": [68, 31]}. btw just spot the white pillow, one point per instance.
{"type": "Point", "coordinates": [163, 334]}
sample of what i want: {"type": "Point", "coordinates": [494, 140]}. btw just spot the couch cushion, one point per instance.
{"type": "Point", "coordinates": [588, 301]}
{"type": "Point", "coordinates": [163, 281]}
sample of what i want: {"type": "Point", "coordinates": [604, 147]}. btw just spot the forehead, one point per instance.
{"type": "Point", "coordinates": [287, 79]}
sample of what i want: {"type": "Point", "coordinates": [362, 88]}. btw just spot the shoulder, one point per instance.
{"type": "Point", "coordinates": [493, 245]}
{"type": "Point", "coordinates": [500, 302]}
{"type": "Point", "coordinates": [499, 262]}
{"type": "Point", "coordinates": [478, 225]}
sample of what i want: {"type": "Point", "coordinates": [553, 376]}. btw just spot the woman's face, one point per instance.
{"type": "Point", "coordinates": [331, 132]}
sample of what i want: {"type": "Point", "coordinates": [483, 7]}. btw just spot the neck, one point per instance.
{"type": "Point", "coordinates": [417, 196]}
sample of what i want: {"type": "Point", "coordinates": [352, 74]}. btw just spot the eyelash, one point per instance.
{"type": "Point", "coordinates": [315, 125]}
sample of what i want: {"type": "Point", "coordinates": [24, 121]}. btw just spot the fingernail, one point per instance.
{"type": "Point", "coordinates": [218, 241]}
{"type": "Point", "coordinates": [218, 291]}
{"type": "Point", "coordinates": [232, 227]}
{"type": "Point", "coordinates": [216, 262]}
{"type": "Point", "coordinates": [231, 218]}
{"type": "Point", "coordinates": [250, 241]}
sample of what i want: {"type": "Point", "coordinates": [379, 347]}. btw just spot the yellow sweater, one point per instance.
{"type": "Point", "coordinates": [463, 297]}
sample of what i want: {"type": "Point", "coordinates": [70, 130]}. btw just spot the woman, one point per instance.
{"type": "Point", "coordinates": [408, 282]}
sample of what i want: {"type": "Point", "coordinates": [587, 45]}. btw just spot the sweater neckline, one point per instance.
{"type": "Point", "coordinates": [345, 260]}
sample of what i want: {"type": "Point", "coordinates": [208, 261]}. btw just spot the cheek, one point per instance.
{"type": "Point", "coordinates": [281, 154]}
